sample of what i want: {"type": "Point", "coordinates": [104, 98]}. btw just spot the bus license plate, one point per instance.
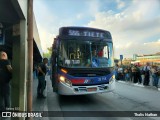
{"type": "Point", "coordinates": [91, 89]}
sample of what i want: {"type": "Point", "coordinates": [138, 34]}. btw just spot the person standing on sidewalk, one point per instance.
{"type": "Point", "coordinates": [5, 76]}
{"type": "Point", "coordinates": [146, 70]}
{"type": "Point", "coordinates": [134, 74]}
{"type": "Point", "coordinates": [155, 77]}
{"type": "Point", "coordinates": [138, 72]}
{"type": "Point", "coordinates": [116, 71]}
{"type": "Point", "coordinates": [127, 73]}
{"type": "Point", "coordinates": [42, 70]}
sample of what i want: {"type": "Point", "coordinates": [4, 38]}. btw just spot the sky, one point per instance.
{"type": "Point", "coordinates": [134, 24]}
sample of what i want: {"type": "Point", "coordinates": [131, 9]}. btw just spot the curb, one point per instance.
{"type": "Point", "coordinates": [138, 85]}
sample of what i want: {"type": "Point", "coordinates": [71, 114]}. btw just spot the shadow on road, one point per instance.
{"type": "Point", "coordinates": [76, 100]}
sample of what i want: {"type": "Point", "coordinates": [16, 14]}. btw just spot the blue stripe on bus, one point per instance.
{"type": "Point", "coordinates": [88, 80]}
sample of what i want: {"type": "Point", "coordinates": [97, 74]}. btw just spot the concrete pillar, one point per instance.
{"type": "Point", "coordinates": [19, 61]}
{"type": "Point", "coordinates": [23, 64]}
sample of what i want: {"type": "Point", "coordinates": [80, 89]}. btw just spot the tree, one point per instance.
{"type": "Point", "coordinates": [48, 54]}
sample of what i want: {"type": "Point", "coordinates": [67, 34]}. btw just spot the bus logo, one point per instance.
{"type": "Point", "coordinates": [86, 81]}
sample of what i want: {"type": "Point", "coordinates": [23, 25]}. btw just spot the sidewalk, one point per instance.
{"type": "Point", "coordinates": [140, 85]}
{"type": "Point", "coordinates": [39, 104]}
{"type": "Point", "coordinates": [50, 103]}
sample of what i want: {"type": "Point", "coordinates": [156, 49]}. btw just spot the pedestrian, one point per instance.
{"type": "Point", "coordinates": [131, 74]}
{"type": "Point", "coordinates": [155, 77]}
{"type": "Point", "coordinates": [146, 71]}
{"type": "Point", "coordinates": [34, 70]}
{"type": "Point", "coordinates": [138, 74]}
{"type": "Point", "coordinates": [5, 76]}
{"type": "Point", "coordinates": [127, 73]}
{"type": "Point", "coordinates": [42, 70]}
{"type": "Point", "coordinates": [116, 71]}
{"type": "Point", "coordinates": [120, 73]}
{"type": "Point", "coordinates": [134, 74]}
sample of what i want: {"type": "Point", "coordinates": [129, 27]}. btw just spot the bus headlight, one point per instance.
{"type": "Point", "coordinates": [62, 79]}
{"type": "Point", "coordinates": [65, 80]}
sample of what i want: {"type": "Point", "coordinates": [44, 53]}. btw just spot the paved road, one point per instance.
{"type": "Point", "coordinates": [126, 97]}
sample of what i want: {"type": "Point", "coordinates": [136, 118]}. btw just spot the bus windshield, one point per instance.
{"type": "Point", "coordinates": [83, 54]}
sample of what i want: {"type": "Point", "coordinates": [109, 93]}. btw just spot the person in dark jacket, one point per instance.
{"type": "Point", "coordinates": [134, 74]}
{"type": "Point", "coordinates": [42, 70]}
{"type": "Point", "coordinates": [116, 71]}
{"type": "Point", "coordinates": [139, 77]}
{"type": "Point", "coordinates": [146, 70]}
{"type": "Point", "coordinates": [5, 76]}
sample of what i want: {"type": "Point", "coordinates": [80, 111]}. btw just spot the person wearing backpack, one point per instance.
{"type": "Point", "coordinates": [5, 76]}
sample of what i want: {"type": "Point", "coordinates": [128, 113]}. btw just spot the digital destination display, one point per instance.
{"type": "Point", "coordinates": [84, 32]}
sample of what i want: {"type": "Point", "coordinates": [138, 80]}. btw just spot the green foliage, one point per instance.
{"type": "Point", "coordinates": [49, 49]}
{"type": "Point", "coordinates": [48, 54]}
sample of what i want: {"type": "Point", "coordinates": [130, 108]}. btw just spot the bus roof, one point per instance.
{"type": "Point", "coordinates": [72, 31]}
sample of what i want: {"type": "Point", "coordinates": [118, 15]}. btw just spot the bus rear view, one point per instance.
{"type": "Point", "coordinates": [82, 61]}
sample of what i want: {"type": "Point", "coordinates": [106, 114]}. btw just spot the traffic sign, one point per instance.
{"type": "Point", "coordinates": [121, 57]}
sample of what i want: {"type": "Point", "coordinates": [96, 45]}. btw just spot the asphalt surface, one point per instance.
{"type": "Point", "coordinates": [126, 97]}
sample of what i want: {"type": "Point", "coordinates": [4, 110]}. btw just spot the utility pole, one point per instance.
{"type": "Point", "coordinates": [30, 57]}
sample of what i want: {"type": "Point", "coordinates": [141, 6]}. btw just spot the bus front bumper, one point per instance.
{"type": "Point", "coordinates": [64, 89]}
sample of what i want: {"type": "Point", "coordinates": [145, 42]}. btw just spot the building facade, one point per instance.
{"type": "Point", "coordinates": [14, 41]}
{"type": "Point", "coordinates": [153, 59]}
{"type": "Point", "coordinates": [141, 60]}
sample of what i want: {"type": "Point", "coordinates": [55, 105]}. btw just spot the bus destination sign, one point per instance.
{"type": "Point", "coordinates": [86, 33]}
